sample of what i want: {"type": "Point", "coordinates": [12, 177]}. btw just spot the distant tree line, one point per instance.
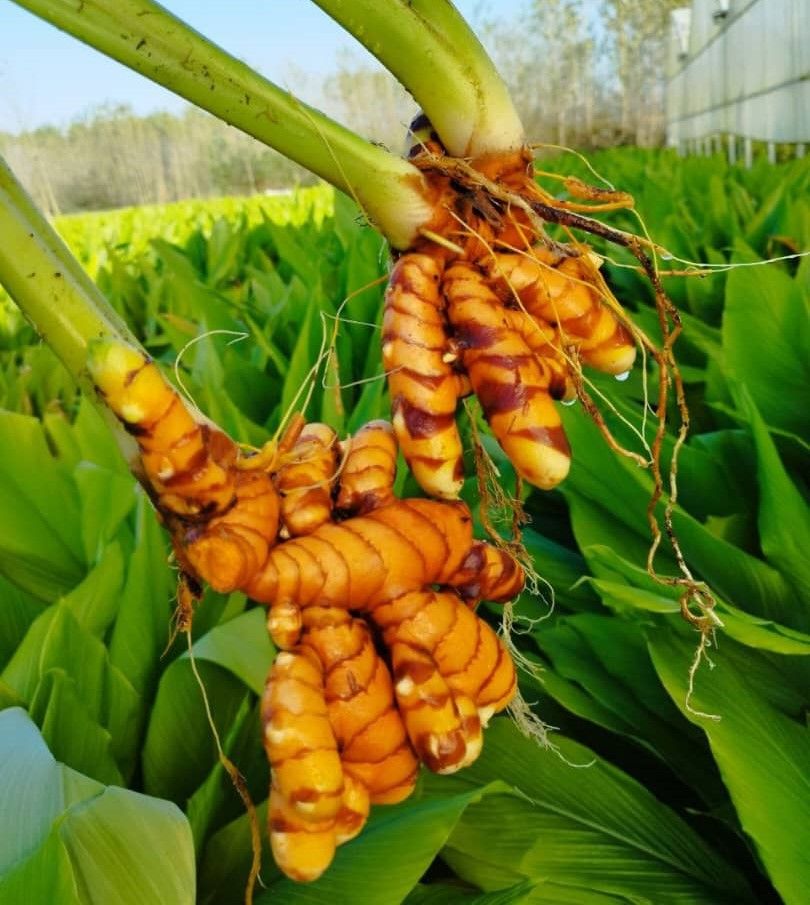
{"type": "Point", "coordinates": [113, 159]}
{"type": "Point", "coordinates": [583, 73]}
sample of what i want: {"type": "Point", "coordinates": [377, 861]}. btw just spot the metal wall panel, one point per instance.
{"type": "Point", "coordinates": [746, 73]}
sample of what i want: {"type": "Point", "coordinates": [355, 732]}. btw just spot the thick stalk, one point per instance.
{"type": "Point", "coordinates": [48, 283]}
{"type": "Point", "coordinates": [431, 50]}
{"type": "Point", "coordinates": [147, 38]}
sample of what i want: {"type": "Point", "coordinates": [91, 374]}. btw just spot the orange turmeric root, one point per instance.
{"type": "Point", "coordinates": [485, 302]}
{"type": "Point", "coordinates": [383, 663]}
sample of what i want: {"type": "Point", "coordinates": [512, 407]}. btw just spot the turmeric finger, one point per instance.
{"type": "Point", "coordinates": [369, 469]}
{"type": "Point", "coordinates": [298, 738]}
{"type": "Point", "coordinates": [424, 387]}
{"type": "Point", "coordinates": [304, 480]}
{"type": "Point", "coordinates": [511, 387]}
{"type": "Point", "coordinates": [186, 459]}
{"type": "Point", "coordinates": [564, 292]}
{"type": "Point", "coordinates": [371, 737]}
{"type": "Point", "coordinates": [302, 850]}
{"type": "Point", "coordinates": [444, 735]}
{"type": "Point", "coordinates": [469, 655]}
{"type": "Point", "coordinates": [354, 809]}
{"type": "Point", "coordinates": [367, 559]}
{"type": "Point", "coordinates": [227, 550]}
{"type": "Point", "coordinates": [488, 573]}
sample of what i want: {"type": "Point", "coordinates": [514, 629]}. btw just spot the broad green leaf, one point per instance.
{"type": "Point", "coordinates": [225, 860]}
{"type": "Point", "coordinates": [67, 833]}
{"type": "Point", "coordinates": [129, 848]}
{"type": "Point", "coordinates": [304, 356]}
{"type": "Point", "coordinates": [179, 750]}
{"type": "Point", "coordinates": [94, 602]}
{"type": "Point", "coordinates": [784, 516]}
{"type": "Point", "coordinates": [242, 646]}
{"type": "Point", "coordinates": [31, 555]}
{"type": "Point", "coordinates": [57, 641]}
{"type": "Point", "coordinates": [106, 498]}
{"type": "Point", "coordinates": [44, 876]}
{"type": "Point", "coordinates": [563, 894]}
{"type": "Point", "coordinates": [216, 801]}
{"type": "Point", "coordinates": [31, 791]}
{"type": "Point", "coordinates": [29, 468]}
{"type": "Point", "coordinates": [73, 736]}
{"type": "Point", "coordinates": [450, 893]}
{"type": "Point", "coordinates": [636, 590]}
{"type": "Point", "coordinates": [389, 856]}
{"type": "Point", "coordinates": [562, 568]}
{"type": "Point", "coordinates": [762, 750]}
{"type": "Point", "coordinates": [608, 658]}
{"type": "Point", "coordinates": [96, 442]}
{"type": "Point", "coordinates": [636, 847]}
{"type": "Point", "coordinates": [618, 488]}
{"type": "Point", "coordinates": [766, 335]}
{"type": "Point", "coordinates": [17, 611]}
{"type": "Point", "coordinates": [142, 625]}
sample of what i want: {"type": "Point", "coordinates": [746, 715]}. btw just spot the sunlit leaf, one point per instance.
{"type": "Point", "coordinates": [762, 750]}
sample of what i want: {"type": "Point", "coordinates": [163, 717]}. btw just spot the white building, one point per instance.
{"type": "Point", "coordinates": [738, 71]}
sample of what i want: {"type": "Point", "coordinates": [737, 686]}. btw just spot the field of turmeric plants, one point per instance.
{"type": "Point", "coordinates": [660, 782]}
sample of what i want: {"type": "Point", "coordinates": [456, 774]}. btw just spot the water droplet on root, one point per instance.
{"type": "Point", "coordinates": [666, 256]}
{"type": "Point", "coordinates": [568, 401]}
{"type": "Point", "coordinates": [623, 376]}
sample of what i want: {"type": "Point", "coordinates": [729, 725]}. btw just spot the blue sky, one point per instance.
{"type": "Point", "coordinates": [47, 77]}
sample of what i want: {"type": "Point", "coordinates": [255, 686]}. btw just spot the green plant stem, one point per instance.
{"type": "Point", "coordinates": [147, 38]}
{"type": "Point", "coordinates": [432, 51]}
{"type": "Point", "coordinates": [48, 283]}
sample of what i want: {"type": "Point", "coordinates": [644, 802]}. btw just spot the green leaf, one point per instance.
{"type": "Point", "coordinates": [28, 468]}
{"type": "Point", "coordinates": [142, 626]}
{"type": "Point", "coordinates": [242, 646]}
{"type": "Point", "coordinates": [31, 790]}
{"type": "Point", "coordinates": [305, 354]}
{"type": "Point", "coordinates": [106, 498]}
{"type": "Point", "coordinates": [761, 750]}
{"type": "Point", "coordinates": [66, 834]}
{"type": "Point", "coordinates": [766, 334]}
{"type": "Point", "coordinates": [636, 847]}
{"type": "Point", "coordinates": [386, 860]}
{"type": "Point", "coordinates": [180, 750]}
{"type": "Point", "coordinates": [17, 611]}
{"type": "Point", "coordinates": [46, 876]}
{"type": "Point", "coordinates": [129, 848]}
{"type": "Point", "coordinates": [609, 659]}
{"type": "Point", "coordinates": [71, 733]}
{"type": "Point", "coordinates": [450, 893]}
{"type": "Point", "coordinates": [621, 492]}
{"type": "Point", "coordinates": [636, 590]}
{"type": "Point", "coordinates": [94, 602]}
{"type": "Point", "coordinates": [57, 641]}
{"type": "Point", "coordinates": [784, 516]}
{"type": "Point", "coordinates": [225, 861]}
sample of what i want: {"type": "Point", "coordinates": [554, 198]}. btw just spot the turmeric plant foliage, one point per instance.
{"type": "Point", "coordinates": [87, 592]}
